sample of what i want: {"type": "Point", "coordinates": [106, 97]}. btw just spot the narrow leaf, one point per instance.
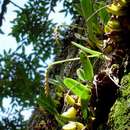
{"type": "Point", "coordinates": [87, 50]}
{"type": "Point", "coordinates": [103, 14]}
{"type": "Point", "coordinates": [87, 9]}
{"type": "Point", "coordinates": [81, 74]}
{"type": "Point", "coordinates": [47, 103]}
{"type": "Point", "coordinates": [54, 82]}
{"type": "Point", "coordinates": [77, 88]}
{"type": "Point", "coordinates": [87, 67]}
{"type": "Point", "coordinates": [78, 9]}
{"type": "Point", "coordinates": [84, 108]}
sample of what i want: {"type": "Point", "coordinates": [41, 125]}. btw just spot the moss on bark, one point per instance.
{"type": "Point", "coordinates": [119, 117]}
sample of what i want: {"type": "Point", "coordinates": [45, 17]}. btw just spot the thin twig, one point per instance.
{"type": "Point", "coordinates": [96, 12]}
{"type": "Point", "coordinates": [16, 5]}
{"type": "Point", "coordinates": [46, 88]}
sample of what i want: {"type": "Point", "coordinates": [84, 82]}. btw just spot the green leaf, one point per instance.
{"type": "Point", "coordinates": [54, 82]}
{"type": "Point", "coordinates": [87, 50]}
{"type": "Point", "coordinates": [103, 14]}
{"type": "Point", "coordinates": [47, 103]}
{"type": "Point", "coordinates": [87, 67]}
{"type": "Point", "coordinates": [81, 74]}
{"type": "Point", "coordinates": [87, 9]}
{"type": "Point", "coordinates": [84, 109]}
{"type": "Point", "coordinates": [77, 88]}
{"type": "Point", "coordinates": [78, 9]}
{"type": "Point", "coordinates": [60, 85]}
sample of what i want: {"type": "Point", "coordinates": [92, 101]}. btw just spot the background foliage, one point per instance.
{"type": "Point", "coordinates": [22, 75]}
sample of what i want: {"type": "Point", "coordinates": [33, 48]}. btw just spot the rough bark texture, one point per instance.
{"type": "Point", "coordinates": [108, 78]}
{"type": "Point", "coordinates": [39, 119]}
{"type": "Point", "coordinates": [119, 117]}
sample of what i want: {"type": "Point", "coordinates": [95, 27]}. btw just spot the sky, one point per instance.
{"type": "Point", "coordinates": [7, 42]}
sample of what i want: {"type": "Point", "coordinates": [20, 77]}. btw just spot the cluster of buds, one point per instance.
{"type": "Point", "coordinates": [117, 7]}
{"type": "Point", "coordinates": [73, 126]}
{"type": "Point", "coordinates": [117, 48]}
{"type": "Point", "coordinates": [71, 113]}
{"type": "Point", "coordinates": [114, 28]}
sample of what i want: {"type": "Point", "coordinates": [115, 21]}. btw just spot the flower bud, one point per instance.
{"type": "Point", "coordinates": [70, 113]}
{"type": "Point", "coordinates": [69, 100]}
{"type": "Point", "coordinates": [79, 126]}
{"type": "Point", "coordinates": [69, 126]}
{"type": "Point", "coordinates": [115, 9]}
